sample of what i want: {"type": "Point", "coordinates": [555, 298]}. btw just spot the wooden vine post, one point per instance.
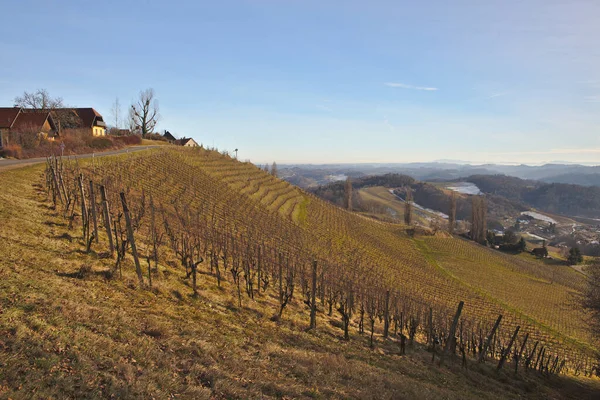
{"type": "Point", "coordinates": [519, 354]}
{"type": "Point", "coordinates": [452, 334]}
{"type": "Point", "coordinates": [489, 340]}
{"type": "Point", "coordinates": [386, 315]}
{"type": "Point", "coordinates": [313, 295]}
{"type": "Point", "coordinates": [131, 238]}
{"type": "Point", "coordinates": [506, 352]}
{"type": "Point", "coordinates": [93, 207]}
{"type": "Point", "coordinates": [107, 224]}
{"type": "Point", "coordinates": [84, 216]}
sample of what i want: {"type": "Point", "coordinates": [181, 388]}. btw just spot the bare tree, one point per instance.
{"type": "Point", "coordinates": [478, 219]}
{"type": "Point", "coordinates": [274, 169]}
{"type": "Point", "coordinates": [131, 122]}
{"type": "Point", "coordinates": [348, 194]}
{"type": "Point", "coordinates": [38, 100]}
{"type": "Point", "coordinates": [116, 113]}
{"type": "Point", "coordinates": [408, 207]}
{"type": "Point", "coordinates": [144, 113]}
{"type": "Point", "coordinates": [452, 213]}
{"type": "Point", "coordinates": [64, 117]}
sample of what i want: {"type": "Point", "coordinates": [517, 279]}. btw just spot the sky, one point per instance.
{"type": "Point", "coordinates": [327, 81]}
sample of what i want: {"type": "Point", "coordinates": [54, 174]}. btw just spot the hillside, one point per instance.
{"type": "Point", "coordinates": [558, 198]}
{"type": "Point", "coordinates": [77, 324]}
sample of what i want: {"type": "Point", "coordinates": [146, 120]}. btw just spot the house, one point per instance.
{"type": "Point", "coordinates": [16, 120]}
{"type": "Point", "coordinates": [186, 142]}
{"type": "Point", "coordinates": [170, 138]}
{"type": "Point", "coordinates": [80, 118]}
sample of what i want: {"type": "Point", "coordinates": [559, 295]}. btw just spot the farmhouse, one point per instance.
{"type": "Point", "coordinates": [186, 142]}
{"type": "Point", "coordinates": [169, 136]}
{"type": "Point", "coordinates": [86, 119]}
{"type": "Point", "coordinates": [16, 120]}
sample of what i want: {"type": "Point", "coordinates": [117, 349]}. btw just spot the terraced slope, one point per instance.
{"type": "Point", "coordinates": [67, 328]}
{"type": "Point", "coordinates": [431, 271]}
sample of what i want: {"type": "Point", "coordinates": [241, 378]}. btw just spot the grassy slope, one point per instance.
{"type": "Point", "coordinates": [64, 330]}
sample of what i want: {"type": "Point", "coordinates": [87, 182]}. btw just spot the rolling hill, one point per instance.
{"type": "Point", "coordinates": [223, 248]}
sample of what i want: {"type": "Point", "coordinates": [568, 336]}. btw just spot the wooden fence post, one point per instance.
{"type": "Point", "coordinates": [451, 334]}
{"type": "Point", "coordinates": [489, 340]}
{"type": "Point", "coordinates": [131, 238]}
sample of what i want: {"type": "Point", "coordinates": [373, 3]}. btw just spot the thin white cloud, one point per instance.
{"type": "Point", "coordinates": [496, 95]}
{"type": "Point", "coordinates": [554, 151]}
{"type": "Point", "coordinates": [405, 86]}
{"type": "Point", "coordinates": [592, 99]}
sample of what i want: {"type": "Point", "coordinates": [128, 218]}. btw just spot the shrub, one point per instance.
{"type": "Point", "coordinates": [101, 143]}
{"type": "Point", "coordinates": [155, 136]}
{"type": "Point", "coordinates": [11, 150]}
{"type": "Point", "coordinates": [129, 140]}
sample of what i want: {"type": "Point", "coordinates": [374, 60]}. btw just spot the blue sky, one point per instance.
{"type": "Point", "coordinates": [328, 81]}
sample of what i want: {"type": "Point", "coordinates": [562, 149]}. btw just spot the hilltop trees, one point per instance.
{"type": "Point", "coordinates": [274, 169]}
{"type": "Point", "coordinates": [38, 100]}
{"type": "Point", "coordinates": [115, 111]}
{"type": "Point", "coordinates": [42, 100]}
{"type": "Point", "coordinates": [144, 113]}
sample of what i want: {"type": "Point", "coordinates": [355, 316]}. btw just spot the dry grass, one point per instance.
{"type": "Point", "coordinates": [67, 332]}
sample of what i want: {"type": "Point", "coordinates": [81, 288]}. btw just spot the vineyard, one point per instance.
{"type": "Point", "coordinates": [228, 226]}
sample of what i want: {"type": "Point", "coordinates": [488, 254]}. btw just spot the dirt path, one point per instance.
{"type": "Point", "coordinates": [6, 164]}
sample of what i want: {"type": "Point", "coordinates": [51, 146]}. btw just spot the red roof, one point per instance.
{"type": "Point", "coordinates": [88, 115]}
{"type": "Point", "coordinates": [8, 115]}
{"type": "Point", "coordinates": [33, 120]}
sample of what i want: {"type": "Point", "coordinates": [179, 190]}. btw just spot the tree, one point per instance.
{"type": "Point", "coordinates": [478, 219]}
{"type": "Point", "coordinates": [348, 194]}
{"type": "Point", "coordinates": [38, 100]}
{"type": "Point", "coordinates": [274, 169]}
{"type": "Point", "coordinates": [41, 100]}
{"type": "Point", "coordinates": [116, 113]}
{"type": "Point", "coordinates": [522, 245]}
{"type": "Point", "coordinates": [144, 113]}
{"type": "Point", "coordinates": [408, 207]}
{"type": "Point", "coordinates": [510, 237]}
{"type": "Point", "coordinates": [575, 256]}
{"type": "Point", "coordinates": [452, 213]}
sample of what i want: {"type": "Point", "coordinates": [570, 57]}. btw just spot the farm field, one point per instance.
{"type": "Point", "coordinates": [70, 321]}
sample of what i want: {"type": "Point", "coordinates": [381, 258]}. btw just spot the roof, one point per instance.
{"type": "Point", "coordinates": [88, 115]}
{"type": "Point", "coordinates": [32, 120]}
{"type": "Point", "coordinates": [8, 115]}
{"type": "Point", "coordinates": [184, 141]}
{"type": "Point", "coordinates": [169, 136]}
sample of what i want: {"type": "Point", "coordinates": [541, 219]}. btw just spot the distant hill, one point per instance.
{"type": "Point", "coordinates": [424, 194]}
{"type": "Point", "coordinates": [575, 178]}
{"type": "Point", "coordinates": [559, 198]}
{"type": "Point", "coordinates": [314, 175]}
